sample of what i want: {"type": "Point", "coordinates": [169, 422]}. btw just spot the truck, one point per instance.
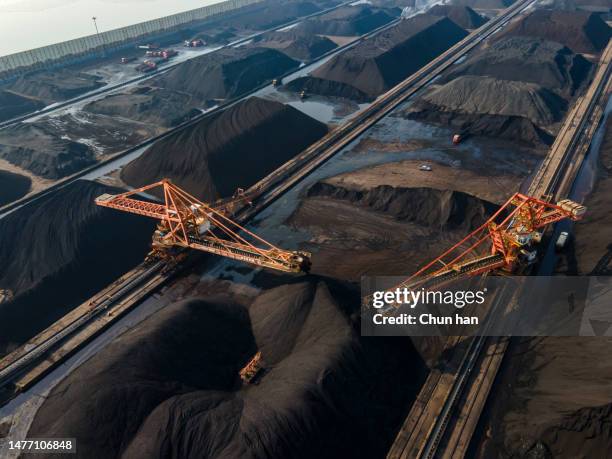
{"type": "Point", "coordinates": [127, 60]}
{"type": "Point", "coordinates": [562, 240]}
{"type": "Point", "coordinates": [197, 43]}
{"type": "Point", "coordinates": [163, 53]}
{"type": "Point", "coordinates": [146, 66]}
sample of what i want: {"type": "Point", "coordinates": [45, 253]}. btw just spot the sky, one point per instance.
{"type": "Point", "coordinates": [27, 24]}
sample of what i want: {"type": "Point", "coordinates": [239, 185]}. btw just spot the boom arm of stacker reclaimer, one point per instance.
{"type": "Point", "coordinates": [505, 242]}
{"type": "Point", "coordinates": [188, 222]}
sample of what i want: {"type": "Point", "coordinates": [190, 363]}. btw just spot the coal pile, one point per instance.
{"type": "Point", "coordinates": [585, 432]}
{"type": "Point", "coordinates": [548, 64]}
{"type": "Point", "coordinates": [40, 150]}
{"type": "Point", "coordinates": [162, 107]}
{"type": "Point", "coordinates": [439, 209]}
{"type": "Point", "coordinates": [463, 16]}
{"type": "Point", "coordinates": [327, 392]}
{"type": "Point", "coordinates": [13, 105]}
{"type": "Point", "coordinates": [296, 44]}
{"type": "Point", "coordinates": [59, 251]}
{"type": "Point", "coordinates": [391, 218]}
{"type": "Point", "coordinates": [378, 64]}
{"type": "Point", "coordinates": [222, 35]}
{"type": "Point", "coordinates": [581, 31]}
{"type": "Point", "coordinates": [225, 74]}
{"type": "Point", "coordinates": [484, 4]}
{"type": "Point", "coordinates": [12, 186]}
{"type": "Point", "coordinates": [491, 107]}
{"type": "Point", "coordinates": [272, 13]}
{"type": "Point", "coordinates": [348, 21]}
{"type": "Point", "coordinates": [232, 149]}
{"type": "Point", "coordinates": [54, 86]}
{"type": "Point", "coordinates": [327, 88]}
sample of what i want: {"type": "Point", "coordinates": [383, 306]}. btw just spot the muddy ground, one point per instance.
{"type": "Point", "coordinates": [552, 399]}
{"type": "Point", "coordinates": [392, 218]}
{"type": "Point", "coordinates": [57, 146]}
{"type": "Point", "coordinates": [13, 186]}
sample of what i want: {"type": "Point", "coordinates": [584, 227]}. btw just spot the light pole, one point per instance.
{"type": "Point", "coordinates": [94, 19]}
{"type": "Point", "coordinates": [95, 25]}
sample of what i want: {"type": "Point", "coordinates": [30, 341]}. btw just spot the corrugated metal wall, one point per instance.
{"type": "Point", "coordinates": [110, 40]}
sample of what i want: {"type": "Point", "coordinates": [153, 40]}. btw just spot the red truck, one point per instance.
{"type": "Point", "coordinates": [146, 66]}
{"type": "Point", "coordinates": [164, 53]}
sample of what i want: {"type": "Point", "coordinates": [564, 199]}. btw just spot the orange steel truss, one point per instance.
{"type": "Point", "coordinates": [187, 222]}
{"type": "Point", "coordinates": [502, 242]}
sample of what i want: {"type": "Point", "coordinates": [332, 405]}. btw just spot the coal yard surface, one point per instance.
{"type": "Point", "coordinates": [185, 237]}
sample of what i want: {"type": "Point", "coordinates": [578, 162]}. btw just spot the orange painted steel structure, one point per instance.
{"type": "Point", "coordinates": [504, 242]}
{"type": "Point", "coordinates": [252, 370]}
{"type": "Point", "coordinates": [187, 222]}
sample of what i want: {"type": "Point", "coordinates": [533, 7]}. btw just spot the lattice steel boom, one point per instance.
{"type": "Point", "coordinates": [187, 222]}
{"type": "Point", "coordinates": [505, 241]}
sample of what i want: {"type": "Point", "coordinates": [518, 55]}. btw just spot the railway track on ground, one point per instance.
{"type": "Point", "coordinates": [264, 193]}
{"type": "Point", "coordinates": [446, 426]}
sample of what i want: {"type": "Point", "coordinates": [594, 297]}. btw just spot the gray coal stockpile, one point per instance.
{"type": "Point", "coordinates": [581, 31]}
{"type": "Point", "coordinates": [232, 149]}
{"type": "Point", "coordinates": [40, 150]}
{"type": "Point", "coordinates": [269, 14]}
{"type": "Point", "coordinates": [60, 250]}
{"type": "Point", "coordinates": [13, 105]}
{"type": "Point", "coordinates": [170, 387]}
{"type": "Point", "coordinates": [463, 16]}
{"type": "Point", "coordinates": [296, 44]}
{"type": "Point", "coordinates": [437, 209]}
{"type": "Point", "coordinates": [162, 107]}
{"type": "Point", "coordinates": [225, 74]}
{"type": "Point", "coordinates": [377, 64]}
{"type": "Point", "coordinates": [348, 21]}
{"type": "Point", "coordinates": [583, 433]}
{"type": "Point", "coordinates": [327, 88]}
{"type": "Point", "coordinates": [534, 60]}
{"type": "Point", "coordinates": [487, 106]}
{"type": "Point", "coordinates": [484, 4]}
{"type": "Point", "coordinates": [12, 186]}
{"type": "Point", "coordinates": [54, 86]}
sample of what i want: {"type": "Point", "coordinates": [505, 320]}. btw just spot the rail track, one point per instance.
{"type": "Point", "coordinates": [450, 426]}
{"type": "Point", "coordinates": [264, 193]}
